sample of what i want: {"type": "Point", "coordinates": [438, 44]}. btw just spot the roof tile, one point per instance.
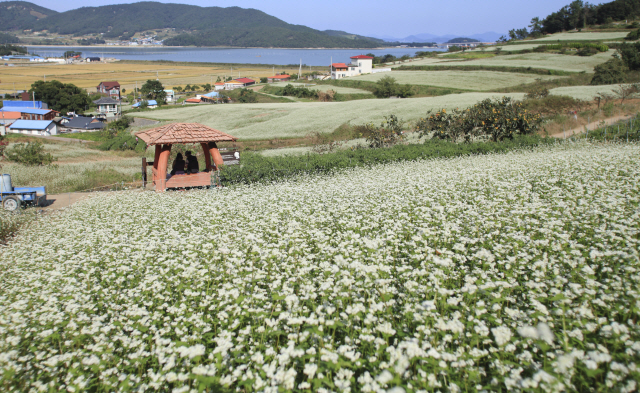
{"type": "Point", "coordinates": [183, 133]}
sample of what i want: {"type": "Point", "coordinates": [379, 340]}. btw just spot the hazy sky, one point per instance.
{"type": "Point", "coordinates": [380, 17]}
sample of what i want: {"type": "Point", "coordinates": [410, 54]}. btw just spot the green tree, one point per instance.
{"type": "Point", "coordinates": [206, 87]}
{"type": "Point", "coordinates": [153, 90]}
{"type": "Point", "coordinates": [631, 55]}
{"type": "Point", "coordinates": [61, 97]}
{"type": "Point", "coordinates": [71, 53]}
{"type": "Point", "coordinates": [247, 95]}
{"type": "Point", "coordinates": [610, 72]}
{"type": "Point", "coordinates": [388, 87]}
{"type": "Point", "coordinates": [264, 80]}
{"type": "Point", "coordinates": [31, 154]}
{"type": "Point", "coordinates": [535, 27]}
{"type": "Point", "coordinates": [195, 87]}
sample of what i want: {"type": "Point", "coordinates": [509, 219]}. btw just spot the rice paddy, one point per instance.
{"type": "Point", "coordinates": [89, 75]}
{"type": "Point", "coordinates": [464, 80]}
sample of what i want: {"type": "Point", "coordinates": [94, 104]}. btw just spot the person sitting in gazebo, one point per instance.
{"type": "Point", "coordinates": [178, 165]}
{"type": "Point", "coordinates": [192, 163]}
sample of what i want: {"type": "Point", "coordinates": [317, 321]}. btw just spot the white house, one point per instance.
{"type": "Point", "coordinates": [34, 127]}
{"type": "Point", "coordinates": [171, 95]}
{"type": "Point", "coordinates": [360, 64]}
{"type": "Point", "coordinates": [231, 85]}
{"type": "Point", "coordinates": [107, 106]}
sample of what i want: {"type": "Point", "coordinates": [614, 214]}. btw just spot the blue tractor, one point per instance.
{"type": "Point", "coordinates": [13, 198]}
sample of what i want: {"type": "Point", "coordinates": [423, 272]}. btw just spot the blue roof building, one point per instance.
{"type": "Point", "coordinates": [25, 104]}
{"type": "Point", "coordinates": [34, 127]}
{"type": "Point", "coordinates": [150, 104]}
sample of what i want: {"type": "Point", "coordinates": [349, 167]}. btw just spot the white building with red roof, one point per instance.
{"type": "Point", "coordinates": [360, 64]}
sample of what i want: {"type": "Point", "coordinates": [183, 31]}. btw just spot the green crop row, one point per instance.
{"type": "Point", "coordinates": [259, 168]}
{"type": "Point", "coordinates": [575, 45]}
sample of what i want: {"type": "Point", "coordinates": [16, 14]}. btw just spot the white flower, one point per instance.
{"type": "Point", "coordinates": [501, 334]}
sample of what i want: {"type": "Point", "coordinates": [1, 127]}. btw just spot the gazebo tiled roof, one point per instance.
{"type": "Point", "coordinates": [183, 133]}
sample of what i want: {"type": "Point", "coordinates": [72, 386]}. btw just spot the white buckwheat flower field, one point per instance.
{"type": "Point", "coordinates": [517, 272]}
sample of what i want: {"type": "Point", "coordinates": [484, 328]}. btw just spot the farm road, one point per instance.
{"type": "Point", "coordinates": [591, 126]}
{"type": "Point", "coordinates": [59, 201]}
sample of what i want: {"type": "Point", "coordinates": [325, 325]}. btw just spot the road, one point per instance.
{"type": "Point", "coordinates": [591, 126]}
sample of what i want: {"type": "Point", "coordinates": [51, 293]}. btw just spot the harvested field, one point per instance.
{"type": "Point", "coordinates": [584, 92]}
{"type": "Point", "coordinates": [89, 75]}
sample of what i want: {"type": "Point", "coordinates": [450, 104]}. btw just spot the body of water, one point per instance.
{"type": "Point", "coordinates": [309, 57]}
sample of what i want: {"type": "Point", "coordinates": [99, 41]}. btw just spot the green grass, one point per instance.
{"type": "Point", "coordinates": [584, 92]}
{"type": "Point", "coordinates": [469, 55]}
{"type": "Point", "coordinates": [313, 86]}
{"type": "Point", "coordinates": [268, 121]}
{"type": "Point", "coordinates": [86, 136]}
{"type": "Point", "coordinates": [464, 80]}
{"type": "Point", "coordinates": [263, 168]}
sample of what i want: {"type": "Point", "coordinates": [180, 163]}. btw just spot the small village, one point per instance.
{"type": "Point", "coordinates": [32, 117]}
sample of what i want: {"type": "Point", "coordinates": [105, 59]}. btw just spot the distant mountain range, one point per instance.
{"type": "Point", "coordinates": [484, 37]}
{"type": "Point", "coordinates": [200, 26]}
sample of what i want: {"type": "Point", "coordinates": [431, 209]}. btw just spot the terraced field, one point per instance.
{"type": "Point", "coordinates": [584, 92]}
{"type": "Point", "coordinates": [579, 36]}
{"type": "Point", "coordinates": [465, 80]}
{"type": "Point", "coordinates": [541, 60]}
{"type": "Point", "coordinates": [266, 121]}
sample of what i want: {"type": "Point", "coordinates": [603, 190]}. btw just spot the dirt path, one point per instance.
{"type": "Point", "coordinates": [591, 126]}
{"type": "Point", "coordinates": [59, 201]}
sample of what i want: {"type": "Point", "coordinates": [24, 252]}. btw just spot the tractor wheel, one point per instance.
{"type": "Point", "coordinates": [11, 204]}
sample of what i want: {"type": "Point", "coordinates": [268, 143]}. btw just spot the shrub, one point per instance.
{"type": "Point", "coordinates": [388, 134]}
{"type": "Point", "coordinates": [388, 87]}
{"type": "Point", "coordinates": [633, 36]}
{"type": "Point", "coordinates": [327, 96]}
{"type": "Point", "coordinates": [538, 92]}
{"type": "Point", "coordinates": [610, 72]}
{"type": "Point", "coordinates": [247, 96]}
{"type": "Point", "coordinates": [499, 119]}
{"type": "Point", "coordinates": [587, 52]}
{"type": "Point", "coordinates": [630, 55]}
{"type": "Point", "coordinates": [31, 154]}
{"type": "Point", "coordinates": [553, 104]}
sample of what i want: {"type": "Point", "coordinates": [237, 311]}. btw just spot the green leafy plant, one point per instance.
{"type": "Point", "coordinates": [610, 72]}
{"type": "Point", "coordinates": [496, 119]}
{"type": "Point", "coordinates": [388, 87]}
{"type": "Point", "coordinates": [388, 134]}
{"type": "Point", "coordinates": [31, 154]}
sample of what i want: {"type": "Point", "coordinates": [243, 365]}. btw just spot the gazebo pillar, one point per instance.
{"type": "Point", "coordinates": [215, 154]}
{"type": "Point", "coordinates": [207, 155]}
{"type": "Point", "coordinates": [163, 164]}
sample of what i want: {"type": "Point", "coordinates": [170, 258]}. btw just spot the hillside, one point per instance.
{"type": "Point", "coordinates": [20, 15]}
{"type": "Point", "coordinates": [200, 26]}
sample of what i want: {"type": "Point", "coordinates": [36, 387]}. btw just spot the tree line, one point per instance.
{"type": "Point", "coordinates": [578, 14]}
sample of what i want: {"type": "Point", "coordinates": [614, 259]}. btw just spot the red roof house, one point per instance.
{"type": "Point", "coordinates": [111, 89]}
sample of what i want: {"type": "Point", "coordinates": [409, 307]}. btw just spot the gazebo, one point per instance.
{"type": "Point", "coordinates": [164, 137]}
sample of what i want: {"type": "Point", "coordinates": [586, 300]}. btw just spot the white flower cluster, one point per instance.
{"type": "Point", "coordinates": [518, 271]}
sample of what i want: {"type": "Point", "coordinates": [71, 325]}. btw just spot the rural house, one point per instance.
{"type": "Point", "coordinates": [279, 78]}
{"type": "Point", "coordinates": [112, 89]}
{"type": "Point", "coordinates": [93, 59]}
{"type": "Point", "coordinates": [83, 124]}
{"type": "Point", "coordinates": [25, 103]}
{"type": "Point", "coordinates": [107, 106]}
{"type": "Point", "coordinates": [246, 81]}
{"type": "Point", "coordinates": [34, 127]}
{"type": "Point", "coordinates": [171, 95]}
{"type": "Point", "coordinates": [31, 113]}
{"type": "Point", "coordinates": [360, 64]}
{"type": "Point", "coordinates": [6, 118]}
{"type": "Point", "coordinates": [230, 85]}
{"type": "Point", "coordinates": [219, 86]}
{"type": "Point", "coordinates": [151, 104]}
